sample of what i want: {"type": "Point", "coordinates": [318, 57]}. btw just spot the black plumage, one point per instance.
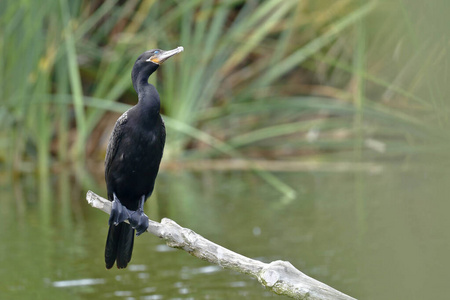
{"type": "Point", "coordinates": [132, 160]}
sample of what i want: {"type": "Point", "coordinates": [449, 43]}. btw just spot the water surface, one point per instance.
{"type": "Point", "coordinates": [371, 235]}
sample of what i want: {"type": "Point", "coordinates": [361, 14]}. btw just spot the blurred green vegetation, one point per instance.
{"type": "Point", "coordinates": [269, 80]}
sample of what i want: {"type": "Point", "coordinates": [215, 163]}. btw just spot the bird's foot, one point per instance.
{"type": "Point", "coordinates": [139, 221]}
{"type": "Point", "coordinates": [119, 213]}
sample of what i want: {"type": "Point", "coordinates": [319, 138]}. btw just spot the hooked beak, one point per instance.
{"type": "Point", "coordinates": [164, 55]}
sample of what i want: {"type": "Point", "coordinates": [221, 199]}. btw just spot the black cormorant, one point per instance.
{"type": "Point", "coordinates": [132, 160]}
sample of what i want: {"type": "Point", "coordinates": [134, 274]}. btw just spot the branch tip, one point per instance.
{"type": "Point", "coordinates": [281, 277]}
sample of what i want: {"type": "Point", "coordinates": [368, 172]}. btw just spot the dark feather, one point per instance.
{"type": "Point", "coordinates": [114, 141]}
{"type": "Point", "coordinates": [119, 245]}
{"type": "Point", "coordinates": [111, 246]}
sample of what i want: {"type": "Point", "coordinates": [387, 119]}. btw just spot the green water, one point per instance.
{"type": "Point", "coordinates": [372, 236]}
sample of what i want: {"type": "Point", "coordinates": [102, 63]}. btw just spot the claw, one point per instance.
{"type": "Point", "coordinates": [119, 213]}
{"type": "Point", "coordinates": [142, 224]}
{"type": "Point", "coordinates": [138, 219]}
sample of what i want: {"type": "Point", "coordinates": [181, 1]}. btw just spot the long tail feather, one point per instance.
{"type": "Point", "coordinates": [119, 245]}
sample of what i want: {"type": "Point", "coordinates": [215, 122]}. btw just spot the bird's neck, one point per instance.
{"type": "Point", "coordinates": [147, 93]}
{"type": "Point", "coordinates": [140, 78]}
{"type": "Point", "coordinates": [148, 98]}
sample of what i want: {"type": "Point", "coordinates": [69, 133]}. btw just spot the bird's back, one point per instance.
{"type": "Point", "coordinates": [133, 156]}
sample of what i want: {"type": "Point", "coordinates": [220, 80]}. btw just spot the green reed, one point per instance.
{"type": "Point", "coordinates": [258, 79]}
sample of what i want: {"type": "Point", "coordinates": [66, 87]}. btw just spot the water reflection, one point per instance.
{"type": "Point", "coordinates": [374, 236]}
{"type": "Point", "coordinates": [77, 282]}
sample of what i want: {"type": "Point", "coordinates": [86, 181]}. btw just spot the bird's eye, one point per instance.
{"type": "Point", "coordinates": [156, 52]}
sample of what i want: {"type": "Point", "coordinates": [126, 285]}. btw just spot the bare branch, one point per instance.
{"type": "Point", "coordinates": [281, 277]}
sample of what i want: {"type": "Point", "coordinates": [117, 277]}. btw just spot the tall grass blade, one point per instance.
{"type": "Point", "coordinates": [315, 45]}
{"type": "Point", "coordinates": [75, 80]}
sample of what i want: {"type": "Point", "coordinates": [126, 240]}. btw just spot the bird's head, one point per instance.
{"type": "Point", "coordinates": [158, 56]}
{"type": "Point", "coordinates": [148, 62]}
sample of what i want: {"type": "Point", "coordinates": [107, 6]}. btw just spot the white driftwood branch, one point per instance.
{"type": "Point", "coordinates": [281, 277]}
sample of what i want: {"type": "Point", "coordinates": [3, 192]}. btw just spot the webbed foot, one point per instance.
{"type": "Point", "coordinates": [119, 213]}
{"type": "Point", "coordinates": [138, 219]}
